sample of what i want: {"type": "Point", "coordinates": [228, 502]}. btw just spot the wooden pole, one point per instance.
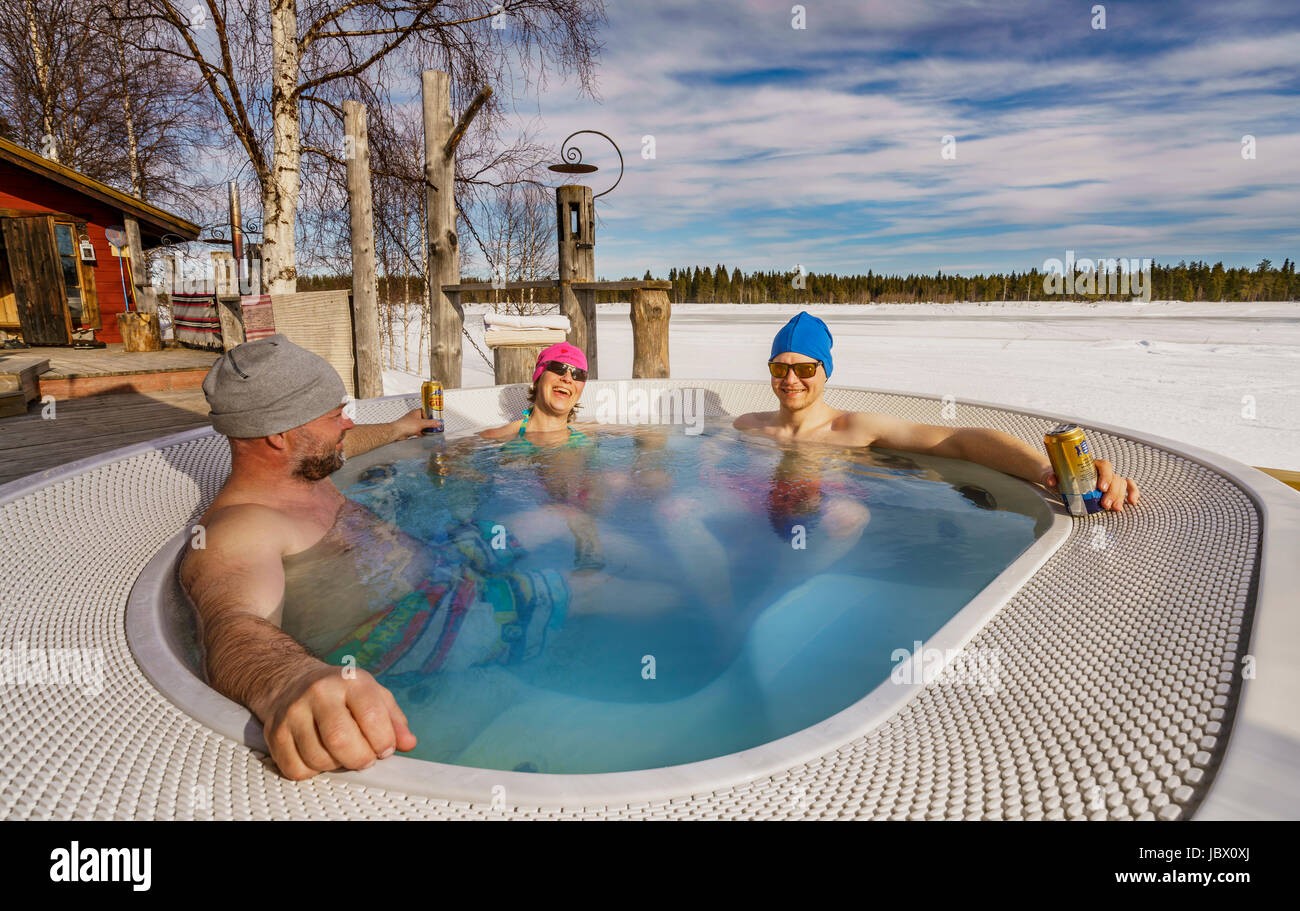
{"type": "Point", "coordinates": [650, 313]}
{"type": "Point", "coordinates": [577, 261]}
{"type": "Point", "coordinates": [514, 364]}
{"type": "Point", "coordinates": [365, 303]}
{"type": "Point", "coordinates": [447, 318]}
{"type": "Point", "coordinates": [139, 329]}
{"type": "Point", "coordinates": [143, 292]}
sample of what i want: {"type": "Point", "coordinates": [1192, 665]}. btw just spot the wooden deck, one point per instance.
{"type": "Point", "coordinates": [77, 372]}
{"type": "Point", "coordinates": [113, 360]}
{"type": "Point", "coordinates": [88, 426]}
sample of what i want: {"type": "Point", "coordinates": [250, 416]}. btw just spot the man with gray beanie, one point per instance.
{"type": "Point", "coordinates": [281, 407]}
{"type": "Point", "coordinates": [290, 570]}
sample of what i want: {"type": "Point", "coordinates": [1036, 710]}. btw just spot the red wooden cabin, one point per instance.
{"type": "Point", "coordinates": [59, 276]}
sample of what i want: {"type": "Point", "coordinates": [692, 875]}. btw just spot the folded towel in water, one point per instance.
{"type": "Point", "coordinates": [537, 321]}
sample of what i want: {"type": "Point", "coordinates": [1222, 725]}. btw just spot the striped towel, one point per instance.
{"type": "Point", "coordinates": [259, 319]}
{"type": "Point", "coordinates": [195, 319]}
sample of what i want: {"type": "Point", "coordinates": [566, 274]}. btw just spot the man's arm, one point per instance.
{"type": "Point", "coordinates": [365, 437]}
{"type": "Point", "coordinates": [315, 720]}
{"type": "Point", "coordinates": [991, 448]}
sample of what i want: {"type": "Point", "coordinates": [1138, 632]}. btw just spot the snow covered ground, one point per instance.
{"type": "Point", "coordinates": [1222, 376]}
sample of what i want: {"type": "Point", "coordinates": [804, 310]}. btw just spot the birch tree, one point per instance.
{"type": "Point", "coordinates": [75, 88]}
{"type": "Point", "coordinates": [275, 68]}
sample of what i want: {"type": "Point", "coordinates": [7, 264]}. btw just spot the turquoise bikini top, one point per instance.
{"type": "Point", "coordinates": [521, 441]}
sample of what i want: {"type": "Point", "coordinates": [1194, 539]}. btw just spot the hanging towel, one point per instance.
{"type": "Point", "coordinates": [196, 322]}
{"type": "Point", "coordinates": [259, 318]}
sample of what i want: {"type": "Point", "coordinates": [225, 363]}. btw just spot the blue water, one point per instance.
{"type": "Point", "coordinates": [777, 584]}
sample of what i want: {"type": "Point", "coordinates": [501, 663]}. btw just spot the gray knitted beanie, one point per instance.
{"type": "Point", "coordinates": [269, 386]}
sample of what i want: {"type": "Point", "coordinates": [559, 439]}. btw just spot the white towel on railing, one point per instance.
{"type": "Point", "coordinates": [538, 321]}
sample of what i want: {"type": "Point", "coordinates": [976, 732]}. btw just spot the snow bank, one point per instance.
{"type": "Point", "coordinates": [1222, 376]}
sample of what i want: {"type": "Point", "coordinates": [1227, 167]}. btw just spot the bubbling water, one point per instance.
{"type": "Point", "coordinates": [642, 597]}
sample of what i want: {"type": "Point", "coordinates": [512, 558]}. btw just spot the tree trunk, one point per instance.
{"type": "Point", "coordinates": [128, 114]}
{"type": "Point", "coordinates": [426, 315]}
{"type": "Point", "coordinates": [365, 305]}
{"type": "Point", "coordinates": [281, 187]}
{"type": "Point", "coordinates": [439, 176]}
{"type": "Point", "coordinates": [43, 81]}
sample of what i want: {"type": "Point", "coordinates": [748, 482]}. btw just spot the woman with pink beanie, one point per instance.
{"type": "Point", "coordinates": [558, 380]}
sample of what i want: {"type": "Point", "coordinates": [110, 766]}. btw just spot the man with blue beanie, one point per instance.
{"type": "Point", "coordinates": [800, 364]}
{"type": "Point", "coordinates": [805, 334]}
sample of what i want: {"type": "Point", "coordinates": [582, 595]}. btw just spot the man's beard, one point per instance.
{"type": "Point", "coordinates": [319, 467]}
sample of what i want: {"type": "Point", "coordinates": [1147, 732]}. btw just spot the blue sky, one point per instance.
{"type": "Point", "coordinates": [822, 146]}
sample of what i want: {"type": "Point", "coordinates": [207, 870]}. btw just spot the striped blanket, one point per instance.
{"type": "Point", "coordinates": [195, 319]}
{"type": "Point", "coordinates": [259, 319]}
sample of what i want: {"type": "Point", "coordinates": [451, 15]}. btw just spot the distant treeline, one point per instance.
{"type": "Point", "coordinates": [1194, 281]}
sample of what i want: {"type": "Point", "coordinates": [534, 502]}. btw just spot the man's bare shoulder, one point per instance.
{"type": "Point", "coordinates": [239, 533]}
{"type": "Point", "coordinates": [858, 419]}
{"type": "Point", "coordinates": [858, 428]}
{"type": "Point", "coordinates": [754, 420]}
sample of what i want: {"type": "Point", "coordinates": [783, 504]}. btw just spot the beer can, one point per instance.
{"type": "Point", "coordinates": [431, 404]}
{"type": "Point", "coordinates": [1076, 477]}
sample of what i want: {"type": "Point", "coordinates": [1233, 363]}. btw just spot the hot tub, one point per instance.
{"type": "Point", "coordinates": [1121, 643]}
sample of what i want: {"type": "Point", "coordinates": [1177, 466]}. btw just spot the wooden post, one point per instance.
{"type": "Point", "coordinates": [650, 312]}
{"type": "Point", "coordinates": [230, 314]}
{"type": "Point", "coordinates": [145, 301]}
{"type": "Point", "coordinates": [577, 259]}
{"type": "Point", "coordinates": [514, 364]}
{"type": "Point", "coordinates": [365, 302]}
{"type": "Point", "coordinates": [221, 263]}
{"type": "Point", "coordinates": [447, 319]}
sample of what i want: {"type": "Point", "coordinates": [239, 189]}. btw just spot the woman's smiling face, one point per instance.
{"type": "Point", "coordinates": [559, 394]}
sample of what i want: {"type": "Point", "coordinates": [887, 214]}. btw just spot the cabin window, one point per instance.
{"type": "Point", "coordinates": [68, 254]}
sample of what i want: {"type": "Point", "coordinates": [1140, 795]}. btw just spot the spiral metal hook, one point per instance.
{"type": "Point", "coordinates": [573, 164]}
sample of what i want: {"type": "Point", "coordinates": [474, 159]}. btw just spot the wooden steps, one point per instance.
{"type": "Point", "coordinates": [20, 383]}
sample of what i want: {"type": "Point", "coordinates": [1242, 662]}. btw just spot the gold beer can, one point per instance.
{"type": "Point", "coordinates": [1076, 477]}
{"type": "Point", "coordinates": [431, 404]}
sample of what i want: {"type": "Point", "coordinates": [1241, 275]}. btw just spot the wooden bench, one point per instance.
{"type": "Point", "coordinates": [20, 383]}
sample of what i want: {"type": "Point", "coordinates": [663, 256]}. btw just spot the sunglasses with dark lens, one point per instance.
{"type": "Point", "coordinates": [560, 369]}
{"type": "Point", "coordinates": [804, 371]}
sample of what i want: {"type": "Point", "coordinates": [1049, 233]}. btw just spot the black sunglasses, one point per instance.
{"type": "Point", "coordinates": [804, 371]}
{"type": "Point", "coordinates": [560, 369]}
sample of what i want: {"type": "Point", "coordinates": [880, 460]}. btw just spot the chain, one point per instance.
{"type": "Point", "coordinates": [486, 360]}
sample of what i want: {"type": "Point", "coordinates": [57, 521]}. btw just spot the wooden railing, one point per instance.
{"type": "Point", "coordinates": [650, 314]}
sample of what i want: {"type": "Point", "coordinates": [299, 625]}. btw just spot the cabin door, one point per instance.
{"type": "Point", "coordinates": [37, 275]}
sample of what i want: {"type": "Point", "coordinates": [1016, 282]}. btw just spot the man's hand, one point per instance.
{"type": "Point", "coordinates": [325, 721]}
{"type": "Point", "coordinates": [1116, 490]}
{"type": "Point", "coordinates": [362, 438]}
{"type": "Point", "coordinates": [412, 423]}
